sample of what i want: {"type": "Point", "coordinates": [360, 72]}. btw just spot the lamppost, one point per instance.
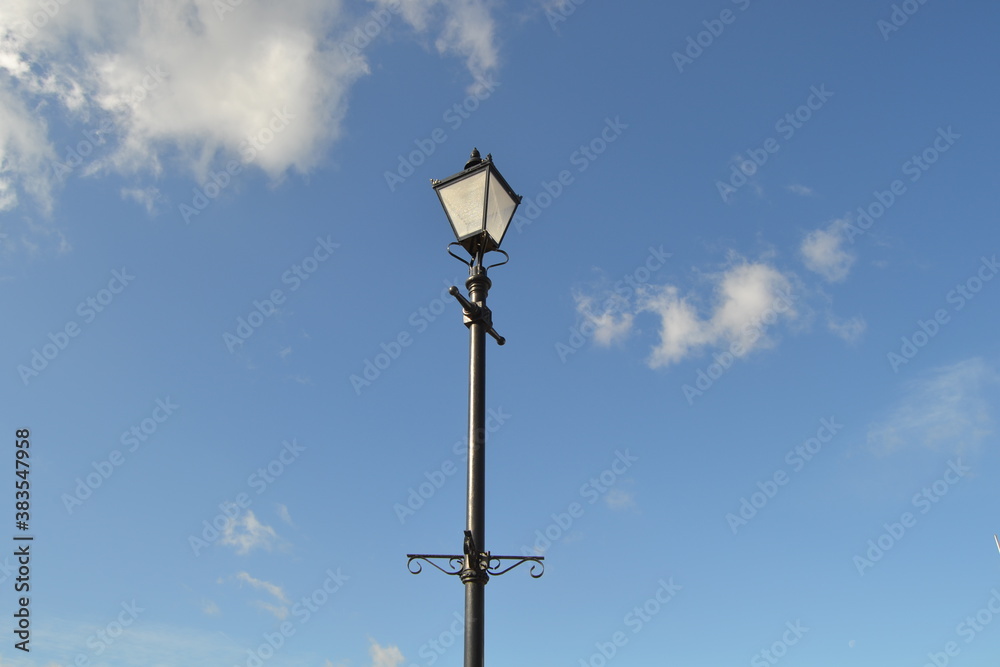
{"type": "Point", "coordinates": [479, 205]}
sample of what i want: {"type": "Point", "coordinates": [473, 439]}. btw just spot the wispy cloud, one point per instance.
{"type": "Point", "coordinates": [850, 329]}
{"type": "Point", "coordinates": [280, 610]}
{"type": "Point", "coordinates": [467, 29]}
{"type": "Point", "coordinates": [25, 151]}
{"type": "Point", "coordinates": [611, 321]}
{"type": "Point", "coordinates": [823, 251]}
{"type": "Point", "coordinates": [801, 190]}
{"type": "Point", "coordinates": [749, 298]}
{"type": "Point", "coordinates": [385, 656]}
{"type": "Point", "coordinates": [146, 197]}
{"type": "Point", "coordinates": [246, 533]}
{"type": "Point", "coordinates": [947, 410]}
{"type": "Point", "coordinates": [272, 589]}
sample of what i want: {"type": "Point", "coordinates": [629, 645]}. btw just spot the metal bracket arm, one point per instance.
{"type": "Point", "coordinates": [537, 565]}
{"type": "Point", "coordinates": [488, 564]}
{"type": "Point", "coordinates": [455, 563]}
{"type": "Point", "coordinates": [475, 313]}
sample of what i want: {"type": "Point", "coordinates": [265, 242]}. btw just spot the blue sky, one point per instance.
{"type": "Point", "coordinates": [747, 408]}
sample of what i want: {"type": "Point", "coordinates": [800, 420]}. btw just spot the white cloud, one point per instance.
{"type": "Point", "coordinates": [186, 85]}
{"type": "Point", "coordinates": [945, 411]}
{"type": "Point", "coordinates": [284, 514]}
{"type": "Point", "coordinates": [850, 329]}
{"type": "Point", "coordinates": [613, 321]}
{"type": "Point", "coordinates": [32, 236]}
{"type": "Point", "coordinates": [186, 80]}
{"type": "Point", "coordinates": [467, 29]}
{"type": "Point", "coordinates": [209, 608]}
{"type": "Point", "coordinates": [387, 656]}
{"type": "Point", "coordinates": [267, 587]}
{"type": "Point", "coordinates": [246, 533]}
{"type": "Point", "coordinates": [25, 151]}
{"type": "Point", "coordinates": [174, 80]}
{"type": "Point", "coordinates": [750, 298]}
{"type": "Point", "coordinates": [147, 197]}
{"type": "Point", "coordinates": [280, 611]}
{"type": "Point", "coordinates": [823, 252]}
{"type": "Point", "coordinates": [801, 190]}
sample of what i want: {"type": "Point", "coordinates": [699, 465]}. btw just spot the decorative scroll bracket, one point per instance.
{"type": "Point", "coordinates": [537, 564]}
{"type": "Point", "coordinates": [488, 564]}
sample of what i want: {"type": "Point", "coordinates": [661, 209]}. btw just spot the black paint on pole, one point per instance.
{"type": "Point", "coordinates": [475, 576]}
{"type": "Point", "coordinates": [476, 563]}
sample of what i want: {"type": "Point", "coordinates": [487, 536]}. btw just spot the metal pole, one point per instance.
{"type": "Point", "coordinates": [476, 564]}
{"type": "Point", "coordinates": [475, 576]}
